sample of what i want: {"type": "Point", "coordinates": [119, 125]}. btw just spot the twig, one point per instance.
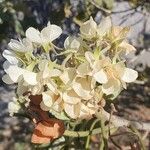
{"type": "Point", "coordinates": [101, 8]}
{"type": "Point", "coordinates": [112, 140]}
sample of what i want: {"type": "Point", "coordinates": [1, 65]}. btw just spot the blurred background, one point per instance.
{"type": "Point", "coordinates": [17, 15]}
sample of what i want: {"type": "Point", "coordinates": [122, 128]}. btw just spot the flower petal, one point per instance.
{"type": "Point", "coordinates": [129, 75]}
{"type": "Point", "coordinates": [33, 35]}
{"type": "Point", "coordinates": [72, 43]}
{"type": "Point", "coordinates": [71, 97]}
{"type": "Point", "coordinates": [48, 98]}
{"type": "Point", "coordinates": [113, 86]}
{"type": "Point", "coordinates": [82, 86]}
{"type": "Point", "coordinates": [126, 47]}
{"type": "Point", "coordinates": [89, 57]}
{"type": "Point", "coordinates": [101, 76]}
{"type": "Point", "coordinates": [13, 71]}
{"type": "Point", "coordinates": [7, 79]}
{"type": "Point", "coordinates": [30, 77]}
{"type": "Point", "coordinates": [84, 69]}
{"type": "Point", "coordinates": [68, 75]}
{"type": "Point", "coordinates": [10, 56]}
{"type": "Point", "coordinates": [88, 29]}
{"type": "Point", "coordinates": [50, 33]}
{"type": "Point", "coordinates": [72, 111]}
{"type": "Point", "coordinates": [104, 26]}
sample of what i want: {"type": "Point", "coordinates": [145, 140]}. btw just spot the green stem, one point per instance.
{"type": "Point", "coordinates": [84, 133]}
{"type": "Point", "coordinates": [88, 138]}
{"type": "Point", "coordinates": [104, 136]}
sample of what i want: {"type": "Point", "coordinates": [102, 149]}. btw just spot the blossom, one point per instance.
{"type": "Point", "coordinates": [44, 78]}
{"type": "Point", "coordinates": [80, 110]}
{"type": "Point", "coordinates": [75, 89]}
{"type": "Point", "coordinates": [17, 49]}
{"type": "Point", "coordinates": [15, 74]}
{"type": "Point", "coordinates": [14, 106]}
{"type": "Point", "coordinates": [46, 36]}
{"type": "Point", "coordinates": [72, 43]}
{"type": "Point", "coordinates": [51, 102]}
{"type": "Point", "coordinates": [90, 29]}
{"type": "Point", "coordinates": [111, 76]}
{"type": "Point", "coordinates": [21, 46]}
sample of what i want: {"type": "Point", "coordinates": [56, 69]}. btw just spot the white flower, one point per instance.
{"type": "Point", "coordinates": [13, 107]}
{"type": "Point", "coordinates": [10, 56]}
{"type": "Point", "coordinates": [21, 46]}
{"type": "Point", "coordinates": [15, 73]}
{"type": "Point", "coordinates": [17, 48]}
{"type": "Point", "coordinates": [72, 43]}
{"type": "Point", "coordinates": [73, 111]}
{"type": "Point", "coordinates": [126, 48]}
{"type": "Point", "coordinates": [89, 29]}
{"type": "Point", "coordinates": [68, 75]}
{"type": "Point", "coordinates": [51, 102]}
{"type": "Point", "coordinates": [83, 86]}
{"type": "Point", "coordinates": [111, 76]}
{"type": "Point", "coordinates": [44, 78]}
{"type": "Point", "coordinates": [70, 97]}
{"type": "Point", "coordinates": [46, 36]}
{"type": "Point", "coordinates": [79, 110]}
{"type": "Point", "coordinates": [104, 26]}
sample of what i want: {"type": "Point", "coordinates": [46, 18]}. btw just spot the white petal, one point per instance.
{"type": "Point", "coordinates": [89, 57]}
{"type": "Point", "coordinates": [21, 46]}
{"type": "Point", "coordinates": [53, 87]}
{"type": "Point", "coordinates": [50, 33]}
{"type": "Point", "coordinates": [47, 98]}
{"type": "Point", "coordinates": [15, 45]}
{"type": "Point", "coordinates": [127, 47]}
{"type": "Point", "coordinates": [7, 79]}
{"type": "Point", "coordinates": [101, 76]}
{"type": "Point", "coordinates": [33, 35]}
{"type": "Point", "coordinates": [104, 26]}
{"type": "Point", "coordinates": [68, 75]}
{"type": "Point", "coordinates": [13, 71]}
{"type": "Point", "coordinates": [72, 43]}
{"type": "Point", "coordinates": [71, 97]}
{"type": "Point", "coordinates": [86, 112]}
{"type": "Point", "coordinates": [129, 75]}
{"type": "Point", "coordinates": [28, 46]}
{"type": "Point", "coordinates": [55, 73]}
{"type": "Point", "coordinates": [21, 89]}
{"type": "Point", "coordinates": [82, 87]}
{"type": "Point", "coordinates": [10, 56]}
{"type": "Point", "coordinates": [13, 107]}
{"type": "Point", "coordinates": [84, 69]}
{"type": "Point", "coordinates": [30, 77]}
{"type": "Point", "coordinates": [88, 29]}
{"type": "Point", "coordinates": [72, 111]}
{"type": "Point", "coordinates": [113, 86]}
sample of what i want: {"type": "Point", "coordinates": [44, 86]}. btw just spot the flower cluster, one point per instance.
{"type": "Point", "coordinates": [94, 68]}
